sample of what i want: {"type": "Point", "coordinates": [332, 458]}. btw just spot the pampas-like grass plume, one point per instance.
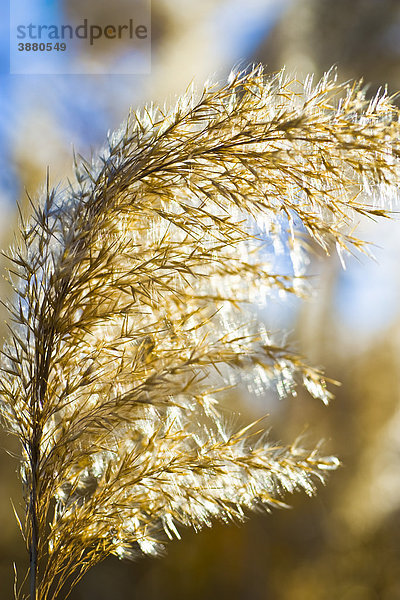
{"type": "Point", "coordinates": [131, 287]}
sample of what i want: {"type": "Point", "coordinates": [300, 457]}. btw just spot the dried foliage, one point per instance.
{"type": "Point", "coordinates": [129, 315]}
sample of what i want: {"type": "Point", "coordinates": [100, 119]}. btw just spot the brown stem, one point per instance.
{"type": "Point", "coordinates": [34, 539]}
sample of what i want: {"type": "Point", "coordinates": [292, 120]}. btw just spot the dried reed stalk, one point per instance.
{"type": "Point", "coordinates": [131, 288]}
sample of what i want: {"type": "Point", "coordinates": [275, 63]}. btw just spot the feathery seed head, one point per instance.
{"type": "Point", "coordinates": [133, 306]}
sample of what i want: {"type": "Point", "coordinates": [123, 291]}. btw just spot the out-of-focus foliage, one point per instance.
{"type": "Point", "coordinates": [314, 34]}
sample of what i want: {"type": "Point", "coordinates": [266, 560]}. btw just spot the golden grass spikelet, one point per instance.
{"type": "Point", "coordinates": [133, 293]}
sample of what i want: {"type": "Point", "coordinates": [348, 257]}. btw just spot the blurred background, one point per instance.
{"type": "Point", "coordinates": [344, 544]}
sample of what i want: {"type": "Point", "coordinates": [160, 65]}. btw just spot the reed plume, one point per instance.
{"type": "Point", "coordinates": [133, 289]}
